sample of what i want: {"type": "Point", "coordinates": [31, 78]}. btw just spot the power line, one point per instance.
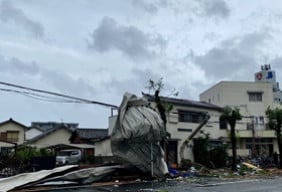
{"type": "Point", "coordinates": [75, 99]}
{"type": "Point", "coordinates": [39, 96]}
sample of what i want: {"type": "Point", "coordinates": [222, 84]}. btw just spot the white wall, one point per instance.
{"type": "Point", "coordinates": [236, 94]}
{"type": "Point", "coordinates": [112, 121]}
{"type": "Point", "coordinates": [103, 148]}
{"type": "Point", "coordinates": [60, 136]}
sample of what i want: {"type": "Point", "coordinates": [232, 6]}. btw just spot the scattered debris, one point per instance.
{"type": "Point", "coordinates": [116, 175]}
{"type": "Point", "coordinates": [9, 183]}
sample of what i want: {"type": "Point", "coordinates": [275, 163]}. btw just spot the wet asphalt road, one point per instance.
{"type": "Point", "coordinates": [205, 185]}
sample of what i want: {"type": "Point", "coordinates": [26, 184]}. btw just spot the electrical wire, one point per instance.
{"type": "Point", "coordinates": [40, 97]}
{"type": "Point", "coordinates": [70, 99]}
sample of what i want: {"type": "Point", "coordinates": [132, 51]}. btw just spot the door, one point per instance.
{"type": "Point", "coordinates": [171, 153]}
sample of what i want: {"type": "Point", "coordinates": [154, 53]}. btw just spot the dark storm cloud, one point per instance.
{"type": "Point", "coordinates": [232, 55]}
{"type": "Point", "coordinates": [128, 39]}
{"type": "Point", "coordinates": [214, 8]}
{"type": "Point", "coordinates": [9, 13]}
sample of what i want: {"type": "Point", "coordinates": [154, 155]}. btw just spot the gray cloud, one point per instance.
{"type": "Point", "coordinates": [276, 63]}
{"type": "Point", "coordinates": [148, 7]}
{"type": "Point", "coordinates": [128, 39]}
{"type": "Point", "coordinates": [26, 68]}
{"type": "Point", "coordinates": [151, 6]}
{"type": "Point", "coordinates": [135, 84]}
{"type": "Point", "coordinates": [67, 84]}
{"type": "Point", "coordinates": [18, 67]}
{"type": "Point", "coordinates": [60, 80]}
{"type": "Point", "coordinates": [214, 8]}
{"type": "Point", "coordinates": [233, 56]}
{"type": "Point", "coordinates": [139, 82]}
{"type": "Point", "coordinates": [9, 13]}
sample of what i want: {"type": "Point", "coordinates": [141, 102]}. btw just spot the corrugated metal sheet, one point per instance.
{"type": "Point", "coordinates": [9, 183]}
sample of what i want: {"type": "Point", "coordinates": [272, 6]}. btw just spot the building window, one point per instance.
{"type": "Point", "coordinates": [3, 135]}
{"type": "Point", "coordinates": [255, 96]}
{"type": "Point", "coordinates": [190, 116]}
{"type": "Point", "coordinates": [184, 130]}
{"type": "Point", "coordinates": [250, 126]}
{"type": "Point", "coordinates": [222, 123]}
{"type": "Point", "coordinates": [12, 136]}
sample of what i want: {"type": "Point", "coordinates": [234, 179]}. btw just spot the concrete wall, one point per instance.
{"type": "Point", "coordinates": [103, 148]}
{"type": "Point", "coordinates": [236, 94]}
{"type": "Point", "coordinates": [112, 121]}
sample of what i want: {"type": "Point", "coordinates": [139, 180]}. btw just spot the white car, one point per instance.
{"type": "Point", "coordinates": [68, 156]}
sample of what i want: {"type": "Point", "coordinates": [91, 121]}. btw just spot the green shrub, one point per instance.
{"type": "Point", "coordinates": [208, 155]}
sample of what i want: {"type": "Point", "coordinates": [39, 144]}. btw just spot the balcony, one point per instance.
{"type": "Point", "coordinates": [258, 133]}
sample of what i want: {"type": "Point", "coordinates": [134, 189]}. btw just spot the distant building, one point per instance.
{"type": "Point", "coordinates": [253, 99]}
{"type": "Point", "coordinates": [38, 129]}
{"type": "Point", "coordinates": [12, 134]}
{"type": "Point", "coordinates": [54, 136]}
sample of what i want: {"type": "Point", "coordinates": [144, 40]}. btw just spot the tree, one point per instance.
{"type": "Point", "coordinates": [231, 116]}
{"type": "Point", "coordinates": [162, 107]}
{"type": "Point", "coordinates": [274, 122]}
{"type": "Point", "coordinates": [215, 156]}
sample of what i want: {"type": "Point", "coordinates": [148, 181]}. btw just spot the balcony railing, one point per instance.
{"type": "Point", "coordinates": [257, 133]}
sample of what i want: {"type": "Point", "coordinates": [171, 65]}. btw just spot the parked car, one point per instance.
{"type": "Point", "coordinates": [68, 156]}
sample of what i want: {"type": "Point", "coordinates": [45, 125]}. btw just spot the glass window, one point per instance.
{"type": "Point", "coordinates": [190, 116]}
{"type": "Point", "coordinates": [12, 136]}
{"type": "Point", "coordinates": [222, 123]}
{"type": "Point", "coordinates": [255, 96]}
{"type": "Point", "coordinates": [3, 135]}
{"type": "Point", "coordinates": [184, 130]}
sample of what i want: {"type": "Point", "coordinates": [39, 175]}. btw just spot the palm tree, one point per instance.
{"type": "Point", "coordinates": [274, 122]}
{"type": "Point", "coordinates": [231, 115]}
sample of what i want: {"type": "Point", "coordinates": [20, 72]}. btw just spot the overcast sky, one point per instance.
{"type": "Point", "coordinates": [98, 50]}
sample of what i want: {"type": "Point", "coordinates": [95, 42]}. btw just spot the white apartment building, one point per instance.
{"type": "Point", "coordinates": [183, 119]}
{"type": "Point", "coordinates": [252, 98]}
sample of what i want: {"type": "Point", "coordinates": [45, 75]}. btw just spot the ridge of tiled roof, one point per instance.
{"type": "Point", "coordinates": [185, 102]}
{"type": "Point", "coordinates": [13, 121]}
{"type": "Point", "coordinates": [92, 133]}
